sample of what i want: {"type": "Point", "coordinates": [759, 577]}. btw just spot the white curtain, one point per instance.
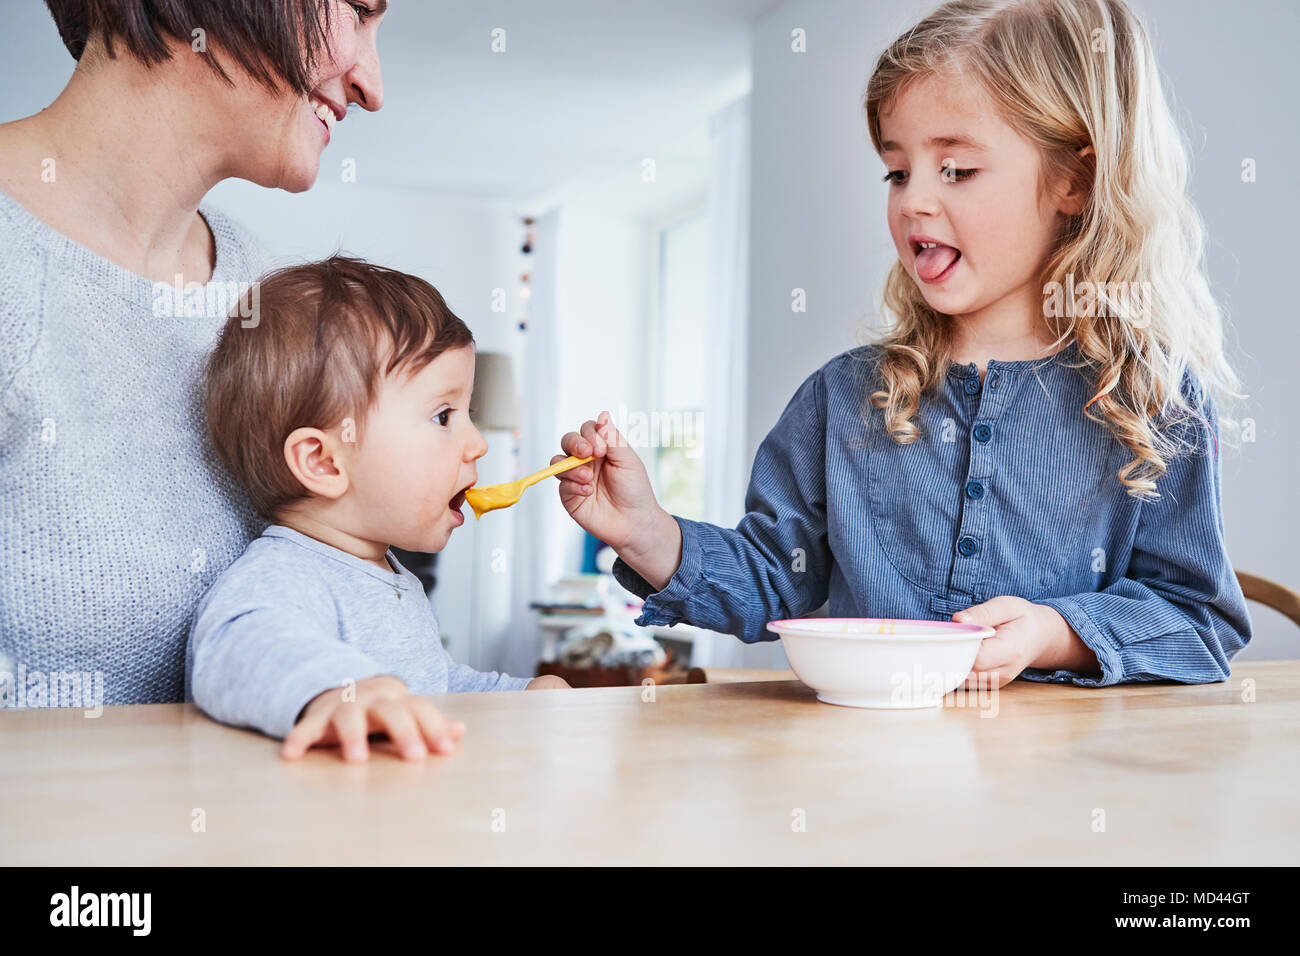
{"type": "Point", "coordinates": [726, 467]}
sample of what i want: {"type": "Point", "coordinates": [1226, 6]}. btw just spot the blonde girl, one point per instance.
{"type": "Point", "coordinates": [1033, 445]}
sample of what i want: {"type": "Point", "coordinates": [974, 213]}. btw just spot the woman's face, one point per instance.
{"type": "Point", "coordinates": [283, 134]}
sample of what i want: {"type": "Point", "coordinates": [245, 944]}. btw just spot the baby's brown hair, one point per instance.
{"type": "Point", "coordinates": [323, 337]}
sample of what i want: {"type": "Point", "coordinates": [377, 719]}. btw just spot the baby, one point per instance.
{"type": "Point", "coordinates": [343, 412]}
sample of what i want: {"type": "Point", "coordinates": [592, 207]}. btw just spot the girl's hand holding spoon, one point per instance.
{"type": "Point", "coordinates": [611, 497]}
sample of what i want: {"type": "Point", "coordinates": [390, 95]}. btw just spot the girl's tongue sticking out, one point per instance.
{"type": "Point", "coordinates": [934, 261]}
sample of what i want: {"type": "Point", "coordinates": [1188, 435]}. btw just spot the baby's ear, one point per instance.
{"type": "Point", "coordinates": [312, 457]}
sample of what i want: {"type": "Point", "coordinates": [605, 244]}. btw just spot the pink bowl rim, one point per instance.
{"type": "Point", "coordinates": [953, 628]}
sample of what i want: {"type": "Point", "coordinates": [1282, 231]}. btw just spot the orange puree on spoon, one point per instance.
{"type": "Point", "coordinates": [491, 497]}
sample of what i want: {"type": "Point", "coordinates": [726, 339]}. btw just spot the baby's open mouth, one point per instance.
{"type": "Point", "coordinates": [458, 501]}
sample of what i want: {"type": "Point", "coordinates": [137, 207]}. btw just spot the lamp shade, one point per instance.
{"type": "Point", "coordinates": [493, 403]}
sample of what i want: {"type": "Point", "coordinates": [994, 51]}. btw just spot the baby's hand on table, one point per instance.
{"type": "Point", "coordinates": [377, 705]}
{"type": "Point", "coordinates": [1026, 635]}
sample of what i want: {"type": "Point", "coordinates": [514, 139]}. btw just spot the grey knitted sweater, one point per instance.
{"type": "Point", "coordinates": [114, 515]}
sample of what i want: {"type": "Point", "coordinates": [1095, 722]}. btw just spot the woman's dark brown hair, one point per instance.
{"type": "Point", "coordinates": [270, 39]}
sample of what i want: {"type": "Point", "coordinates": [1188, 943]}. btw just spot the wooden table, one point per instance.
{"type": "Point", "coordinates": [720, 773]}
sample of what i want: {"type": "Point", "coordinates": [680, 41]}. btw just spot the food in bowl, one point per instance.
{"type": "Point", "coordinates": [880, 662]}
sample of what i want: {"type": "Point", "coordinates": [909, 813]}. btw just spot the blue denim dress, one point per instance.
{"type": "Point", "coordinates": [1010, 489]}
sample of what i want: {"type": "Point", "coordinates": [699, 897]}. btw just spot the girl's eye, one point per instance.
{"type": "Point", "coordinates": [443, 417]}
{"type": "Point", "coordinates": [362, 11]}
{"type": "Point", "coordinates": [949, 174]}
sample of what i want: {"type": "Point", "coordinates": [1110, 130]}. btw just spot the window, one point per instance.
{"type": "Point", "coordinates": [677, 425]}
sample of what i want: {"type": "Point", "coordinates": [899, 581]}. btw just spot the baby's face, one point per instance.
{"type": "Point", "coordinates": [961, 176]}
{"type": "Point", "coordinates": [416, 456]}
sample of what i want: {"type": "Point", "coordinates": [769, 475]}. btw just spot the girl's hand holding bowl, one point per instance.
{"type": "Point", "coordinates": [1025, 635]}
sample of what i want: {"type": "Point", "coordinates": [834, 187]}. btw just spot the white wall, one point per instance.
{"type": "Point", "coordinates": [603, 280]}
{"type": "Point", "coordinates": [585, 353]}
{"type": "Point", "coordinates": [817, 217]}
{"type": "Point", "coordinates": [818, 223]}
{"type": "Point", "coordinates": [464, 247]}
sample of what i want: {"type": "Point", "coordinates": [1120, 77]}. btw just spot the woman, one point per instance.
{"type": "Point", "coordinates": [113, 518]}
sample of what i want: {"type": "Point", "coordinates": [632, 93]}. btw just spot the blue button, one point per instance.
{"type": "Point", "coordinates": [972, 385]}
{"type": "Point", "coordinates": [975, 489]}
{"type": "Point", "coordinates": [983, 432]}
{"type": "Point", "coordinates": [968, 545]}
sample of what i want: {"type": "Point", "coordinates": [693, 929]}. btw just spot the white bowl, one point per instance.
{"type": "Point", "coordinates": [880, 662]}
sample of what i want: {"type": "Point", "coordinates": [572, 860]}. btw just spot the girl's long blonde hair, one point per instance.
{"type": "Point", "coordinates": [1067, 74]}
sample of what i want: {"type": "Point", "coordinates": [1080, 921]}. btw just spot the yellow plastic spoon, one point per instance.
{"type": "Point", "coordinates": [491, 497]}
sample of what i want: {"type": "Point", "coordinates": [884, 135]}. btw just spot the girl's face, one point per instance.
{"type": "Point", "coordinates": [962, 178]}
{"type": "Point", "coordinates": [283, 134]}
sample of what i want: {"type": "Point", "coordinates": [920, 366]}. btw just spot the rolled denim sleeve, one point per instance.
{"type": "Point", "coordinates": [1178, 613]}
{"type": "Point", "coordinates": [776, 562]}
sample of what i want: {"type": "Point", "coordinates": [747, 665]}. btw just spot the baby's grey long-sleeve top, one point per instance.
{"type": "Point", "coordinates": [293, 617]}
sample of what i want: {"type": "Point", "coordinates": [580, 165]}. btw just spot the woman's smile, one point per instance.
{"type": "Point", "coordinates": [327, 114]}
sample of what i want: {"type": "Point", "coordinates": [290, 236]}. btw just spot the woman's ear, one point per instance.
{"type": "Point", "coordinates": [312, 456]}
{"type": "Point", "coordinates": [1075, 199]}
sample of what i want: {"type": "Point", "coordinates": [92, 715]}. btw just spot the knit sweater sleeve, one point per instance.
{"type": "Point", "coordinates": [22, 276]}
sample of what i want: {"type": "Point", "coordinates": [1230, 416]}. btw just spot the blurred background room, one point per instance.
{"type": "Point", "coordinates": [623, 201]}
